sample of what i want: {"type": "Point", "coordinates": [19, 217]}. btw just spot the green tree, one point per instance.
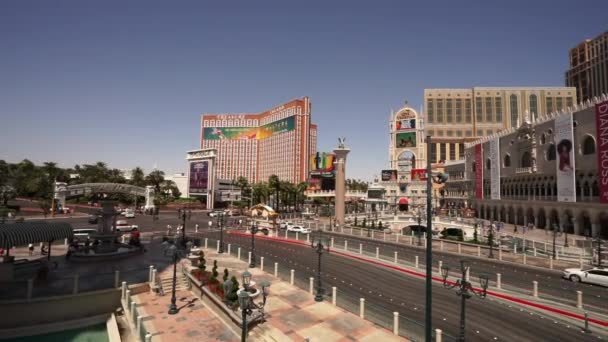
{"type": "Point", "coordinates": [169, 189]}
{"type": "Point", "coordinates": [355, 221]}
{"type": "Point", "coordinates": [364, 222]}
{"type": "Point", "coordinates": [275, 184]}
{"type": "Point", "coordinates": [137, 177]}
{"type": "Point", "coordinates": [300, 189]}
{"type": "Point", "coordinates": [155, 178]}
{"type": "Point", "coordinates": [260, 192]}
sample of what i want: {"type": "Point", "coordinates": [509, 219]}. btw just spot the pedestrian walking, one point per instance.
{"type": "Point", "coordinates": [515, 230]}
{"type": "Point", "coordinates": [168, 230]}
{"type": "Point", "coordinates": [31, 248]}
{"type": "Point", "coordinates": [189, 214]}
{"type": "Point", "coordinates": [196, 228]}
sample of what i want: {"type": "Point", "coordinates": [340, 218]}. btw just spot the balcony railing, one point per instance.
{"type": "Point", "coordinates": [521, 170]}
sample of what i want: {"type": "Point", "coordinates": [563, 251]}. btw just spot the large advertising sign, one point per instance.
{"type": "Point", "coordinates": [405, 140]}
{"type": "Point", "coordinates": [405, 124]}
{"type": "Point", "coordinates": [418, 175]}
{"type": "Point", "coordinates": [249, 133]}
{"type": "Point", "coordinates": [478, 171]}
{"type": "Point", "coordinates": [389, 175]}
{"type": "Point", "coordinates": [199, 177]}
{"type": "Point", "coordinates": [322, 163]}
{"type": "Point", "coordinates": [564, 138]}
{"type": "Point", "coordinates": [375, 194]}
{"type": "Point", "coordinates": [405, 160]}
{"type": "Point", "coordinates": [495, 169]}
{"type": "Point", "coordinates": [601, 124]}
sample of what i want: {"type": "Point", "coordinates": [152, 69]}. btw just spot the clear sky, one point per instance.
{"type": "Point", "coordinates": [124, 82]}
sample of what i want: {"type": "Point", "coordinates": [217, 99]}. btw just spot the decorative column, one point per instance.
{"type": "Point", "coordinates": [340, 165]}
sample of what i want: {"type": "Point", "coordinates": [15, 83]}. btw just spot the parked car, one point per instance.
{"type": "Point", "coordinates": [285, 225]}
{"type": "Point", "coordinates": [129, 213]}
{"type": "Point", "coordinates": [93, 219]}
{"type": "Point", "coordinates": [216, 213]}
{"type": "Point", "coordinates": [595, 275]}
{"type": "Point", "coordinates": [298, 229]}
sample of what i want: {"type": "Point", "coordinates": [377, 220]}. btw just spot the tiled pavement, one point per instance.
{"type": "Point", "coordinates": [291, 315]}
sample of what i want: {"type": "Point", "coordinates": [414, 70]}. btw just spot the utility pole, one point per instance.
{"type": "Point", "coordinates": [428, 326]}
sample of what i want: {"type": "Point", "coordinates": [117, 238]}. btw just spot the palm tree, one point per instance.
{"type": "Point", "coordinates": [275, 184]}
{"type": "Point", "coordinates": [155, 178]}
{"type": "Point", "coordinates": [137, 177]}
{"type": "Point", "coordinates": [243, 184]}
{"type": "Point", "coordinates": [168, 187]}
{"type": "Point", "coordinates": [260, 192]}
{"type": "Point", "coordinates": [300, 189]}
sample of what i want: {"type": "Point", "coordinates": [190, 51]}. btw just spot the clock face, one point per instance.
{"type": "Point", "coordinates": [403, 167]}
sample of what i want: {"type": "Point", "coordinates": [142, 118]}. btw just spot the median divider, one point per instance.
{"type": "Point", "coordinates": [502, 296]}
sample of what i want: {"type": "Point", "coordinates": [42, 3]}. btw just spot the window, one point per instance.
{"type": "Point", "coordinates": [452, 151]}
{"type": "Point", "coordinates": [480, 132]}
{"type": "Point", "coordinates": [488, 164]}
{"type": "Point", "coordinates": [467, 110]}
{"type": "Point", "coordinates": [533, 105]}
{"type": "Point", "coordinates": [442, 153]}
{"type": "Point", "coordinates": [430, 111]}
{"type": "Point", "coordinates": [430, 132]}
{"type": "Point", "coordinates": [433, 152]}
{"type": "Point", "coordinates": [459, 133]}
{"type": "Point", "coordinates": [526, 160]}
{"type": "Point", "coordinates": [506, 161]}
{"type": "Point", "coordinates": [448, 110]}
{"type": "Point", "coordinates": [551, 153]}
{"type": "Point", "coordinates": [460, 151]}
{"type": "Point", "coordinates": [569, 102]}
{"type": "Point", "coordinates": [588, 145]}
{"type": "Point", "coordinates": [439, 110]}
{"type": "Point", "coordinates": [468, 133]}
{"type": "Point", "coordinates": [450, 133]}
{"type": "Point", "coordinates": [559, 103]}
{"type": "Point", "coordinates": [488, 109]}
{"type": "Point", "coordinates": [489, 132]}
{"type": "Point", "coordinates": [458, 110]}
{"type": "Point", "coordinates": [440, 133]}
{"type": "Point", "coordinates": [498, 108]}
{"type": "Point", "coordinates": [478, 109]}
{"type": "Point", "coordinates": [514, 110]}
{"type": "Point", "coordinates": [550, 105]}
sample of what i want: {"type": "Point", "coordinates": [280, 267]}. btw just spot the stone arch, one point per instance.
{"type": "Point", "coordinates": [568, 223]}
{"type": "Point", "coordinates": [511, 215]}
{"type": "Point", "coordinates": [542, 219]}
{"type": "Point", "coordinates": [520, 216]}
{"type": "Point", "coordinates": [503, 213]}
{"type": "Point", "coordinates": [553, 219]}
{"type": "Point", "coordinates": [584, 223]}
{"type": "Point", "coordinates": [530, 215]}
{"type": "Point", "coordinates": [482, 211]}
{"type": "Point", "coordinates": [602, 225]}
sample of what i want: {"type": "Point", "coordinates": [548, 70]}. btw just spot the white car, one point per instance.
{"type": "Point", "coordinates": [129, 213]}
{"type": "Point", "coordinates": [216, 213]}
{"type": "Point", "coordinates": [596, 275]}
{"type": "Point", "coordinates": [285, 225]}
{"type": "Point", "coordinates": [298, 229]}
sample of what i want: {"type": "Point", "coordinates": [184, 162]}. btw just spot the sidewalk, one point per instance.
{"type": "Point", "coordinates": [291, 315]}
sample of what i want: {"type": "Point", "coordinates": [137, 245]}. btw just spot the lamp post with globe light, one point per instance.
{"type": "Point", "coordinates": [320, 244]}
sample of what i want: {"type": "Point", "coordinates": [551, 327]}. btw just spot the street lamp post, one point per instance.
{"type": "Point", "coordinates": [464, 290]}
{"type": "Point", "coordinates": [220, 223]}
{"type": "Point", "coordinates": [254, 230]}
{"type": "Point", "coordinates": [491, 239]}
{"type": "Point", "coordinates": [320, 245]}
{"type": "Point", "coordinates": [176, 254]}
{"type": "Point", "coordinates": [555, 228]}
{"type": "Point", "coordinates": [182, 216]}
{"type": "Point", "coordinates": [419, 218]}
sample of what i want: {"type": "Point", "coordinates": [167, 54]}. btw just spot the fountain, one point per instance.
{"type": "Point", "coordinates": [106, 244]}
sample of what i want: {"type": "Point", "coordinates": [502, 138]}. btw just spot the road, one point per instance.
{"type": "Point", "coordinates": [387, 291]}
{"type": "Point", "coordinates": [514, 277]}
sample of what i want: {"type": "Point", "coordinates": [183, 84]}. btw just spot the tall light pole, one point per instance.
{"type": "Point", "coordinates": [175, 254]}
{"type": "Point", "coordinates": [254, 230]}
{"type": "Point", "coordinates": [220, 222]}
{"type": "Point", "coordinates": [429, 246]}
{"type": "Point", "coordinates": [320, 245]}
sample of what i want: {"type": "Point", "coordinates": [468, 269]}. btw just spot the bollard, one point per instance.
{"type": "Point", "coordinates": [117, 277]}
{"type": "Point", "coordinates": [30, 288]}
{"type": "Point", "coordinates": [498, 281]}
{"type": "Point", "coordinates": [249, 260]}
{"type": "Point", "coordinates": [148, 337]}
{"type": "Point", "coordinates": [478, 251]}
{"type": "Point", "coordinates": [311, 282]}
{"type": "Point", "coordinates": [551, 263]}
{"type": "Point", "coordinates": [396, 259]}
{"type": "Point", "coordinates": [127, 297]}
{"type": "Point", "coordinates": [535, 289]}
{"type": "Point", "coordinates": [579, 299]}
{"type": "Point", "coordinates": [416, 261]}
{"type": "Point", "coordinates": [395, 323]}
{"type": "Point", "coordinates": [308, 238]}
{"type": "Point", "coordinates": [440, 266]}
{"type": "Point", "coordinates": [292, 276]}
{"type": "Point", "coordinates": [377, 252]}
{"type": "Point", "coordinates": [286, 235]}
{"type": "Point", "coordinates": [346, 245]}
{"type": "Point", "coordinates": [124, 290]}
{"type": "Point", "coordinates": [65, 241]}
{"type": "Point", "coordinates": [75, 288]}
{"type": "Point", "coordinates": [150, 270]}
{"type": "Point", "coordinates": [525, 258]}
{"type": "Point", "coordinates": [534, 249]}
{"type": "Point", "coordinates": [333, 295]}
{"type": "Point", "coordinates": [238, 253]}
{"type": "Point", "coordinates": [276, 269]}
{"type": "Point", "coordinates": [362, 307]}
{"type": "Point", "coordinates": [360, 248]}
{"type": "Point", "coordinates": [261, 263]}
{"type": "Point", "coordinates": [332, 243]}
{"type": "Point", "coordinates": [206, 240]}
{"type": "Point", "coordinates": [138, 325]}
{"type": "Point", "coordinates": [580, 260]}
{"type": "Point", "coordinates": [587, 331]}
{"type": "Point", "coordinates": [411, 240]}
{"type": "Point", "coordinates": [515, 248]}
{"type": "Point", "coordinates": [229, 248]}
{"type": "Point", "coordinates": [438, 334]}
{"type": "Point", "coordinates": [499, 253]}
{"type": "Point", "coordinates": [132, 312]}
{"type": "Point", "coordinates": [384, 236]}
{"type": "Point", "coordinates": [217, 246]}
{"type": "Point", "coordinates": [123, 239]}
{"type": "Point", "coordinates": [440, 245]}
{"type": "Point", "coordinates": [459, 249]}
{"type": "Point", "coordinates": [297, 236]}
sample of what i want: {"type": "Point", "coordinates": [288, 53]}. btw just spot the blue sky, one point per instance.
{"type": "Point", "coordinates": [125, 81]}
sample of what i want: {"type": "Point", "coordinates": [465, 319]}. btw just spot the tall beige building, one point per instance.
{"type": "Point", "coordinates": [456, 116]}
{"type": "Point", "coordinates": [589, 68]}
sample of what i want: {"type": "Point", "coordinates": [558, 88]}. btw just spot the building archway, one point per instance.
{"type": "Point", "coordinates": [603, 225]}
{"type": "Point", "coordinates": [503, 213]}
{"type": "Point", "coordinates": [530, 215]}
{"type": "Point", "coordinates": [520, 216]}
{"type": "Point", "coordinates": [553, 219]}
{"type": "Point", "coordinates": [568, 224]}
{"type": "Point", "coordinates": [584, 222]}
{"type": "Point", "coordinates": [542, 220]}
{"type": "Point", "coordinates": [511, 218]}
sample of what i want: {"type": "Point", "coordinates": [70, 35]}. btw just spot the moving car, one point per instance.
{"type": "Point", "coordinates": [298, 229]}
{"type": "Point", "coordinates": [595, 275]}
{"type": "Point", "coordinates": [216, 213]}
{"type": "Point", "coordinates": [83, 233]}
{"type": "Point", "coordinates": [93, 219]}
{"type": "Point", "coordinates": [285, 225]}
{"type": "Point", "coordinates": [129, 213]}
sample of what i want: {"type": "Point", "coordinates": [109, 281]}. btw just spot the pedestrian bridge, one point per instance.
{"type": "Point", "coordinates": [332, 193]}
{"type": "Point", "coordinates": [62, 191]}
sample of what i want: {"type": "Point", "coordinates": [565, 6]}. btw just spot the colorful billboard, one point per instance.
{"type": "Point", "coordinates": [322, 163]}
{"type": "Point", "coordinates": [495, 169]}
{"type": "Point", "coordinates": [564, 137]}
{"type": "Point", "coordinates": [403, 140]}
{"type": "Point", "coordinates": [389, 175]}
{"type": "Point", "coordinates": [249, 133]}
{"type": "Point", "coordinates": [406, 124]}
{"type": "Point", "coordinates": [601, 124]}
{"type": "Point", "coordinates": [199, 178]}
{"type": "Point", "coordinates": [478, 171]}
{"type": "Point", "coordinates": [406, 161]}
{"type": "Point", "coordinates": [418, 175]}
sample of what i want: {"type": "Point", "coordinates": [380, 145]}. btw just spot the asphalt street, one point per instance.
{"type": "Point", "coordinates": [387, 291]}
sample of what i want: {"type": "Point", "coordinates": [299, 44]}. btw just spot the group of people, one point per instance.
{"type": "Point", "coordinates": [30, 247]}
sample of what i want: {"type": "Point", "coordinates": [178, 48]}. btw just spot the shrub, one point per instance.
{"type": "Point", "coordinates": [380, 225]}
{"type": "Point", "coordinates": [355, 221]}
{"type": "Point", "coordinates": [364, 222]}
{"type": "Point", "coordinates": [201, 262]}
{"type": "Point", "coordinates": [214, 270]}
{"type": "Point", "coordinates": [225, 277]}
{"type": "Point", "coordinates": [231, 296]}
{"type": "Point", "coordinates": [374, 224]}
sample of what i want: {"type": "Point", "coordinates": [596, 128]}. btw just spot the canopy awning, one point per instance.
{"type": "Point", "coordinates": [21, 234]}
{"type": "Point", "coordinates": [403, 201]}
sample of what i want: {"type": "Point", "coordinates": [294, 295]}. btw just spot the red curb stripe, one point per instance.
{"type": "Point", "coordinates": [423, 275]}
